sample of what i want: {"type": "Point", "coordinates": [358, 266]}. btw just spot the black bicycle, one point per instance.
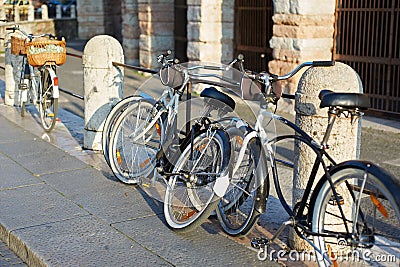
{"type": "Point", "coordinates": [353, 210]}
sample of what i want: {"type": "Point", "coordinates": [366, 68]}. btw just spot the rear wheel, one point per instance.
{"type": "Point", "coordinates": [371, 228]}
{"type": "Point", "coordinates": [190, 197]}
{"type": "Point", "coordinates": [48, 106]}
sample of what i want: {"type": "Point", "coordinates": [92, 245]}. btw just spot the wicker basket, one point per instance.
{"type": "Point", "coordinates": [44, 51]}
{"type": "Point", "coordinates": [18, 46]}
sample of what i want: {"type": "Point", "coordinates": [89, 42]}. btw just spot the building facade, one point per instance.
{"type": "Point", "coordinates": [274, 35]}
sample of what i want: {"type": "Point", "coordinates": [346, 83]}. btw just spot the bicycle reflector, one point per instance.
{"type": "Point", "coordinates": [55, 81]}
{"type": "Point", "coordinates": [379, 206]}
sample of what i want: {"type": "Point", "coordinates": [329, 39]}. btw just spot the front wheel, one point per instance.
{"type": "Point", "coordinates": [111, 120]}
{"type": "Point", "coordinates": [368, 230]}
{"type": "Point", "coordinates": [135, 140]}
{"type": "Point", "coordinates": [236, 211]}
{"type": "Point", "coordinates": [48, 106]}
{"type": "Point", "coordinates": [190, 197]}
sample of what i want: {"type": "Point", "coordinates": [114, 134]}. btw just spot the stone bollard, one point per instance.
{"type": "Point", "coordinates": [102, 83]}
{"type": "Point", "coordinates": [344, 139]}
{"type": "Point", "coordinates": [45, 12]}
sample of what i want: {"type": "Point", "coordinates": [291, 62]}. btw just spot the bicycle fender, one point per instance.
{"type": "Point", "coordinates": [221, 185]}
{"type": "Point", "coordinates": [56, 91]}
{"type": "Point", "coordinates": [147, 96]}
{"type": "Point", "coordinates": [24, 96]}
{"type": "Point", "coordinates": [389, 181]}
{"type": "Point", "coordinates": [261, 172]}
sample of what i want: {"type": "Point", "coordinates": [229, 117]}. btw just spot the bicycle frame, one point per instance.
{"type": "Point", "coordinates": [36, 87]}
{"type": "Point", "coordinates": [267, 144]}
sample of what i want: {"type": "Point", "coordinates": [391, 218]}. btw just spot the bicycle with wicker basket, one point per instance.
{"type": "Point", "coordinates": [38, 82]}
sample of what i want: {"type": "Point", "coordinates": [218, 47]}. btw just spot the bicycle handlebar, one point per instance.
{"type": "Point", "coordinates": [274, 78]}
{"type": "Point", "coordinates": [269, 79]}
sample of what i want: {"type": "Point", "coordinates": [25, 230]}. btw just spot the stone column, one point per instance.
{"type": "Point", "coordinates": [130, 31]}
{"type": "Point", "coordinates": [102, 83]}
{"type": "Point", "coordinates": [344, 139]}
{"type": "Point", "coordinates": [303, 31]}
{"type": "Point", "coordinates": [210, 30]}
{"type": "Point", "coordinates": [156, 22]}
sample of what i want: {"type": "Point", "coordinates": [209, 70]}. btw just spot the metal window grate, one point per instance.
{"type": "Point", "coordinates": [367, 39]}
{"type": "Point", "coordinates": [253, 30]}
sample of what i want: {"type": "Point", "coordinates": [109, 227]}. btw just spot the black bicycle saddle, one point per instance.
{"type": "Point", "coordinates": [223, 100]}
{"type": "Point", "coordinates": [345, 100]}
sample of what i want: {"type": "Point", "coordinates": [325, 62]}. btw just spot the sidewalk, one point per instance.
{"type": "Point", "coordinates": [60, 206]}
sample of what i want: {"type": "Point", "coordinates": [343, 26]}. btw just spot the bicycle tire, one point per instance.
{"type": "Point", "coordinates": [378, 208]}
{"type": "Point", "coordinates": [188, 204]}
{"type": "Point", "coordinates": [110, 121]}
{"type": "Point", "coordinates": [48, 106]}
{"type": "Point", "coordinates": [131, 159]}
{"type": "Point", "coordinates": [236, 211]}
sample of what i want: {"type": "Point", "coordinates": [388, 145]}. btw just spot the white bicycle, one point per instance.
{"type": "Point", "coordinates": [38, 83]}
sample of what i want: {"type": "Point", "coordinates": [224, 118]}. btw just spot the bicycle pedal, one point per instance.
{"type": "Point", "coordinates": [258, 242]}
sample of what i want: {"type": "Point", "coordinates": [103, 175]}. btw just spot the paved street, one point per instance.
{"type": "Point", "coordinates": [71, 210]}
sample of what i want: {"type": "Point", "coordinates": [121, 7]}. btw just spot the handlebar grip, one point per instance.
{"type": "Point", "coordinates": [323, 63]}
{"type": "Point", "coordinates": [10, 28]}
